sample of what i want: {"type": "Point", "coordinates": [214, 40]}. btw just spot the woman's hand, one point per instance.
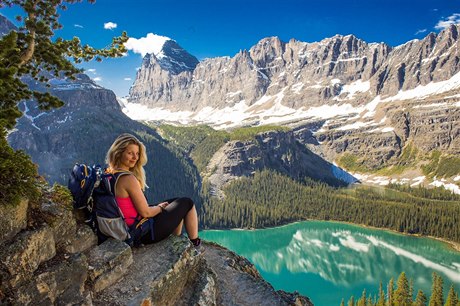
{"type": "Point", "coordinates": [163, 205]}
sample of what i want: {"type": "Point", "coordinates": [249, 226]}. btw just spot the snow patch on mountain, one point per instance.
{"type": "Point", "coordinates": [355, 87]}
{"type": "Point", "coordinates": [267, 110]}
{"type": "Point", "coordinates": [413, 182]}
{"type": "Point", "coordinates": [417, 181]}
{"type": "Point", "coordinates": [423, 91]}
{"type": "Point", "coordinates": [356, 125]}
{"type": "Point", "coordinates": [143, 113]}
{"type": "Point", "coordinates": [449, 186]}
{"type": "Point", "coordinates": [296, 88]}
{"type": "Point", "coordinates": [343, 175]}
{"type": "Point", "coordinates": [62, 84]}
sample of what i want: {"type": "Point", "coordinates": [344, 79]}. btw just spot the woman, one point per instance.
{"type": "Point", "coordinates": [127, 156]}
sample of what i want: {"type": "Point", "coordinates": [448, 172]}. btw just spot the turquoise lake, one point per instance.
{"type": "Point", "coordinates": [328, 261]}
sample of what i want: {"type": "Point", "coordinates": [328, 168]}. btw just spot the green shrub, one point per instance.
{"type": "Point", "coordinates": [248, 133]}
{"type": "Point", "coordinates": [448, 166]}
{"type": "Point", "coordinates": [61, 194]}
{"type": "Point", "coordinates": [440, 165]}
{"type": "Point", "coordinates": [17, 173]}
{"type": "Point", "coordinates": [352, 163]}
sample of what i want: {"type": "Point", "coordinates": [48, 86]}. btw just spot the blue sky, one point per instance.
{"type": "Point", "coordinates": [210, 28]}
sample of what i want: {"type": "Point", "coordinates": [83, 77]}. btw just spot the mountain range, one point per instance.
{"type": "Point", "coordinates": [365, 101]}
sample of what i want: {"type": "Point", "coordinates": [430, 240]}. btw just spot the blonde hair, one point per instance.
{"type": "Point", "coordinates": [115, 152]}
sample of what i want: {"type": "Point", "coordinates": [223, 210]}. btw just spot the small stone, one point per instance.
{"type": "Point", "coordinates": [137, 289]}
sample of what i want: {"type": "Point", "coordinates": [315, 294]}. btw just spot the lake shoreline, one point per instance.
{"type": "Point", "coordinates": [331, 260]}
{"type": "Point", "coordinates": [455, 246]}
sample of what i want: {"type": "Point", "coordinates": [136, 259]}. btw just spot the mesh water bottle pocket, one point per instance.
{"type": "Point", "coordinates": [113, 227]}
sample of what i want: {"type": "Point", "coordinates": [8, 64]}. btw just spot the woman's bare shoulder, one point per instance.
{"type": "Point", "coordinates": [127, 179]}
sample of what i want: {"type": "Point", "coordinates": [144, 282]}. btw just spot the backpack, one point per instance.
{"type": "Point", "coordinates": [93, 191]}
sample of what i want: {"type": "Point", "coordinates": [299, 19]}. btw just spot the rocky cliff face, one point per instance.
{"type": "Point", "coordinates": [308, 74]}
{"type": "Point", "coordinates": [366, 99]}
{"type": "Point", "coordinates": [52, 259]}
{"type": "Point", "coordinates": [56, 139]}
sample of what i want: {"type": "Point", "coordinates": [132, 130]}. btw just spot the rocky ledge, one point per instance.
{"type": "Point", "coordinates": [54, 260]}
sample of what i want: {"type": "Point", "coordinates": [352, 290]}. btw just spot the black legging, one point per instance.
{"type": "Point", "coordinates": [168, 220]}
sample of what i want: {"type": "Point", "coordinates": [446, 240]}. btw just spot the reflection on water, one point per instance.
{"type": "Point", "coordinates": [346, 258]}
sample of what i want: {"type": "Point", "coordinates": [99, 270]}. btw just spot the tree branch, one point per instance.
{"type": "Point", "coordinates": [27, 56]}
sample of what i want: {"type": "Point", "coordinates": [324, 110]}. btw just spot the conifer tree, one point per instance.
{"type": "Point", "coordinates": [342, 303]}
{"type": "Point", "coordinates": [351, 301]}
{"type": "Point", "coordinates": [362, 301]}
{"type": "Point", "coordinates": [370, 302]}
{"type": "Point", "coordinates": [452, 297]}
{"type": "Point", "coordinates": [381, 297]}
{"type": "Point", "coordinates": [420, 299]}
{"type": "Point", "coordinates": [402, 295]}
{"type": "Point", "coordinates": [34, 49]}
{"type": "Point", "coordinates": [390, 290]}
{"type": "Point", "coordinates": [437, 298]}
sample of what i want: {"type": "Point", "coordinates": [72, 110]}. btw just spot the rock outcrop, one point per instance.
{"type": "Point", "coordinates": [275, 150]}
{"type": "Point", "coordinates": [432, 124]}
{"type": "Point", "coordinates": [54, 261]}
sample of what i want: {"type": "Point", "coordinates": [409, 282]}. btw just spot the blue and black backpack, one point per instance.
{"type": "Point", "coordinates": [93, 191]}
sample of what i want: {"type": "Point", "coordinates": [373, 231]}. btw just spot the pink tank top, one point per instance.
{"type": "Point", "coordinates": [128, 209]}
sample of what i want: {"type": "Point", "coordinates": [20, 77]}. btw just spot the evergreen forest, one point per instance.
{"type": "Point", "coordinates": [402, 294]}
{"type": "Point", "coordinates": [269, 199]}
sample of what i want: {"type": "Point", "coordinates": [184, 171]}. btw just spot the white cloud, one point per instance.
{"type": "Point", "coordinates": [97, 79]}
{"type": "Point", "coordinates": [110, 25]}
{"type": "Point", "coordinates": [453, 19]}
{"type": "Point", "coordinates": [420, 31]}
{"type": "Point", "coordinates": [152, 44]}
{"type": "Point", "coordinates": [78, 26]}
{"type": "Point", "coordinates": [92, 70]}
{"type": "Point", "coordinates": [127, 79]}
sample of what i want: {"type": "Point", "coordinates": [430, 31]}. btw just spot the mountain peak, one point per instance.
{"type": "Point", "coordinates": [172, 58]}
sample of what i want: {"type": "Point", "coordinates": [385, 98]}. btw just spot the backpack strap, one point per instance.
{"type": "Point", "coordinates": [113, 185]}
{"type": "Point", "coordinates": [117, 175]}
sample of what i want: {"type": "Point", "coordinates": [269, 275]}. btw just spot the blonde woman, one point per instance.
{"type": "Point", "coordinates": [128, 155]}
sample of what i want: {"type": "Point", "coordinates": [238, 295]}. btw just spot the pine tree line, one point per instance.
{"type": "Point", "coordinates": [270, 199]}
{"type": "Point", "coordinates": [403, 295]}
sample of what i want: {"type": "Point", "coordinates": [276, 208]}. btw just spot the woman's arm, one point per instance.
{"type": "Point", "coordinates": [128, 186]}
